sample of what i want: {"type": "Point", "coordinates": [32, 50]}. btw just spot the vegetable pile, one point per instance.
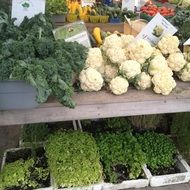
{"type": "Point", "coordinates": [30, 53]}
{"type": "Point", "coordinates": [152, 10]}
{"type": "Point", "coordinates": [135, 62]}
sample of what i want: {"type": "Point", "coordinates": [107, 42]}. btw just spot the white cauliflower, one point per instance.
{"type": "Point", "coordinates": [129, 69]}
{"type": "Point", "coordinates": [159, 65]}
{"type": "Point", "coordinates": [119, 85]}
{"type": "Point", "coordinates": [176, 61]}
{"type": "Point", "coordinates": [143, 81]}
{"type": "Point", "coordinates": [94, 58]}
{"type": "Point", "coordinates": [112, 41]}
{"type": "Point", "coordinates": [90, 80]}
{"type": "Point", "coordinates": [168, 44]}
{"type": "Point", "coordinates": [185, 3]}
{"type": "Point", "coordinates": [156, 52]}
{"type": "Point", "coordinates": [163, 83]}
{"type": "Point", "coordinates": [110, 72]}
{"type": "Point", "coordinates": [139, 50]}
{"type": "Point", "coordinates": [116, 55]}
{"type": "Point", "coordinates": [184, 74]}
{"type": "Point", "coordinates": [127, 39]}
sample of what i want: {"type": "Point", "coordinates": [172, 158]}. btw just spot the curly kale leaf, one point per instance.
{"type": "Point", "coordinates": [44, 47]}
{"type": "Point", "coordinates": [77, 51]}
{"type": "Point", "coordinates": [38, 26]}
{"type": "Point", "coordinates": [6, 68]}
{"type": "Point", "coordinates": [33, 74]}
{"type": "Point", "coordinates": [18, 50]}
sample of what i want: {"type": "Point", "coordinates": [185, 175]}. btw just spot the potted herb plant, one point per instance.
{"type": "Point", "coordinates": [33, 134]}
{"type": "Point", "coordinates": [24, 169]}
{"type": "Point", "coordinates": [165, 165]}
{"type": "Point", "coordinates": [123, 161]}
{"type": "Point", "coordinates": [73, 160]}
{"type": "Point", "coordinates": [58, 9]}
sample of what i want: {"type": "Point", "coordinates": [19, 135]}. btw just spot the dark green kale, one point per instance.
{"type": "Point", "coordinates": [33, 74]}
{"type": "Point", "coordinates": [6, 67]}
{"type": "Point", "coordinates": [18, 49]}
{"type": "Point", "coordinates": [30, 53]}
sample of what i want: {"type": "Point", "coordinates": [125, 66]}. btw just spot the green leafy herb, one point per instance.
{"type": "Point", "coordinates": [73, 159]}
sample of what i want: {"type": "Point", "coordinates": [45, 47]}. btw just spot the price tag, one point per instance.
{"type": "Point", "coordinates": [74, 32]}
{"type": "Point", "coordinates": [129, 4]}
{"type": "Point", "coordinates": [29, 8]}
{"type": "Point", "coordinates": [155, 29]}
{"type": "Point", "coordinates": [87, 3]}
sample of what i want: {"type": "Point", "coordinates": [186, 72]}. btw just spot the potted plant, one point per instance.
{"type": "Point", "coordinates": [123, 161]}
{"type": "Point", "coordinates": [58, 9]}
{"type": "Point", "coordinates": [24, 169]}
{"type": "Point", "coordinates": [33, 134]}
{"type": "Point", "coordinates": [165, 165]}
{"type": "Point", "coordinates": [73, 160]}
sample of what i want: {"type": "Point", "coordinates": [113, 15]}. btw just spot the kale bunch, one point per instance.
{"type": "Point", "coordinates": [30, 53]}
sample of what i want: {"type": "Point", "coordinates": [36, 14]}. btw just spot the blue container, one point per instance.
{"type": "Point", "coordinates": [115, 20]}
{"type": "Point", "coordinates": [17, 95]}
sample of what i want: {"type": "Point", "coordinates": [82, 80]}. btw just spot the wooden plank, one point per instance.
{"type": "Point", "coordinates": [103, 104]}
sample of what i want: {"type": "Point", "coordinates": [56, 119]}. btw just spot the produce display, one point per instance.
{"type": "Point", "coordinates": [134, 62]}
{"type": "Point", "coordinates": [30, 53]}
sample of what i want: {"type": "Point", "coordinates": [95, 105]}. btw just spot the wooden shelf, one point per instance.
{"type": "Point", "coordinates": [103, 104]}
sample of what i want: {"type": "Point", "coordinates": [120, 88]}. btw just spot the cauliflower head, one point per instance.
{"type": "Point", "coordinates": [94, 58]}
{"type": "Point", "coordinates": [90, 80]}
{"type": "Point", "coordinates": [139, 50]}
{"type": "Point", "coordinates": [116, 55]}
{"type": "Point", "coordinates": [159, 65]}
{"type": "Point", "coordinates": [156, 52]}
{"type": "Point", "coordinates": [185, 3]}
{"type": "Point", "coordinates": [176, 61]}
{"type": "Point", "coordinates": [168, 44]}
{"type": "Point", "coordinates": [130, 69]}
{"type": "Point", "coordinates": [126, 40]}
{"type": "Point", "coordinates": [184, 74]}
{"type": "Point", "coordinates": [119, 85]}
{"type": "Point", "coordinates": [112, 41]}
{"type": "Point", "coordinates": [143, 81]}
{"type": "Point", "coordinates": [163, 83]}
{"type": "Point", "coordinates": [110, 72]}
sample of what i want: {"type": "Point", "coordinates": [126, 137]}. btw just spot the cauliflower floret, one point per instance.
{"type": "Point", "coordinates": [94, 58]}
{"type": "Point", "coordinates": [176, 61]}
{"type": "Point", "coordinates": [184, 74]}
{"type": "Point", "coordinates": [156, 52]}
{"type": "Point", "coordinates": [112, 41]}
{"type": "Point", "coordinates": [185, 3]}
{"type": "Point", "coordinates": [163, 83]}
{"type": "Point", "coordinates": [159, 65]}
{"type": "Point", "coordinates": [168, 44]}
{"type": "Point", "coordinates": [116, 55]}
{"type": "Point", "coordinates": [110, 72]}
{"type": "Point", "coordinates": [129, 69]}
{"type": "Point", "coordinates": [90, 80]}
{"type": "Point", "coordinates": [119, 85]}
{"type": "Point", "coordinates": [187, 56]}
{"type": "Point", "coordinates": [127, 39]}
{"type": "Point", "coordinates": [143, 81]}
{"type": "Point", "coordinates": [139, 51]}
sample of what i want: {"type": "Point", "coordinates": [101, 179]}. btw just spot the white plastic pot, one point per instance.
{"type": "Point", "coordinates": [171, 179]}
{"type": "Point", "coordinates": [15, 150]}
{"type": "Point", "coordinates": [91, 187]}
{"type": "Point", "coordinates": [137, 183]}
